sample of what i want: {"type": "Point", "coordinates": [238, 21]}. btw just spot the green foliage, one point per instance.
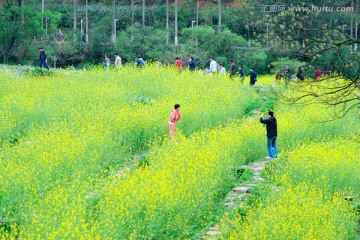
{"type": "Point", "coordinates": [204, 42]}
{"type": "Point", "coordinates": [292, 63]}
{"type": "Point", "coordinates": [148, 42]}
{"type": "Point", "coordinates": [21, 26]}
{"type": "Point", "coordinates": [250, 36]}
{"type": "Point", "coordinates": [40, 72]}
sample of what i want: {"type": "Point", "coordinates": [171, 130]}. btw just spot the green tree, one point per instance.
{"type": "Point", "coordinates": [21, 29]}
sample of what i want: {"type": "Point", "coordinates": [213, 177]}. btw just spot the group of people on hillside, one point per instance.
{"type": "Point", "coordinates": [117, 64]}
{"type": "Point", "coordinates": [214, 68]}
{"type": "Point", "coordinates": [287, 74]}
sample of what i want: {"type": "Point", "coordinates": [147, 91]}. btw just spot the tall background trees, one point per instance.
{"type": "Point", "coordinates": [254, 33]}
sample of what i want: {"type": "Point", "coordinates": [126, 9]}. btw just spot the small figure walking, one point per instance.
{"type": "Point", "coordinates": [192, 64]}
{"type": "Point", "coordinates": [300, 74]}
{"type": "Point", "coordinates": [178, 63]}
{"type": "Point", "coordinates": [140, 63]}
{"type": "Point", "coordinates": [287, 74]}
{"type": "Point", "coordinates": [213, 66]}
{"type": "Point", "coordinates": [174, 117]}
{"type": "Point", "coordinates": [222, 71]}
{"type": "Point", "coordinates": [232, 69]}
{"type": "Point", "coordinates": [278, 75]}
{"type": "Point", "coordinates": [271, 133]}
{"type": "Point", "coordinates": [43, 59]}
{"type": "Point", "coordinates": [106, 62]}
{"type": "Point", "coordinates": [253, 77]}
{"type": "Point", "coordinates": [241, 73]}
{"type": "Point", "coordinates": [117, 62]}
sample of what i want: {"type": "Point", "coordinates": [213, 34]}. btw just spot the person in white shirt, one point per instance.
{"type": "Point", "coordinates": [213, 66]}
{"type": "Point", "coordinates": [222, 70]}
{"type": "Point", "coordinates": [117, 61]}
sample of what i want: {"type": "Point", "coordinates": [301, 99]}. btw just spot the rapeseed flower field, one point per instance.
{"type": "Point", "coordinates": [66, 139]}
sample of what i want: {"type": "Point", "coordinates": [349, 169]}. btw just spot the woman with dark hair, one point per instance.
{"type": "Point", "coordinates": [174, 117]}
{"type": "Point", "coordinates": [178, 63]}
{"type": "Point", "coordinates": [300, 74]}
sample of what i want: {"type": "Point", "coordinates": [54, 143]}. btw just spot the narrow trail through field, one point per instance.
{"type": "Point", "coordinates": [239, 193]}
{"type": "Point", "coordinates": [133, 164]}
{"type": "Point", "coordinates": [237, 196]}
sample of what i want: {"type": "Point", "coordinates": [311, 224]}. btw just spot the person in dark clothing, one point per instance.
{"type": "Point", "coordinates": [192, 64]}
{"type": "Point", "coordinates": [232, 69]}
{"type": "Point", "coordinates": [241, 73]}
{"type": "Point", "coordinates": [253, 77]}
{"type": "Point", "coordinates": [271, 133]}
{"type": "Point", "coordinates": [278, 75]}
{"type": "Point", "coordinates": [139, 62]}
{"type": "Point", "coordinates": [43, 59]}
{"type": "Point", "coordinates": [300, 74]}
{"type": "Point", "coordinates": [287, 74]}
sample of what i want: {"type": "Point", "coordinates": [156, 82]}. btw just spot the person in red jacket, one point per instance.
{"type": "Point", "coordinates": [174, 117]}
{"type": "Point", "coordinates": [178, 63]}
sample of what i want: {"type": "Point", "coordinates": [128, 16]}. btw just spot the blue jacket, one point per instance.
{"type": "Point", "coordinates": [253, 76]}
{"type": "Point", "coordinates": [241, 72]}
{"type": "Point", "coordinates": [192, 65]}
{"type": "Point", "coordinates": [43, 56]}
{"type": "Point", "coordinates": [140, 62]}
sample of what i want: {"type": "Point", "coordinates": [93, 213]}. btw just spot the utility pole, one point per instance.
{"type": "Point", "coordinates": [81, 28]}
{"type": "Point", "coordinates": [132, 19]}
{"type": "Point", "coordinates": [219, 22]}
{"type": "Point", "coordinates": [248, 30]}
{"type": "Point", "coordinates": [113, 37]}
{"type": "Point", "coordinates": [143, 14]}
{"type": "Point", "coordinates": [352, 20]}
{"type": "Point", "coordinates": [356, 24]}
{"type": "Point", "coordinates": [22, 14]}
{"type": "Point", "coordinates": [46, 26]}
{"type": "Point", "coordinates": [86, 22]}
{"type": "Point", "coordinates": [167, 22]}
{"type": "Point", "coordinates": [197, 12]}
{"type": "Point", "coordinates": [176, 22]}
{"type": "Point", "coordinates": [267, 36]}
{"type": "Point", "coordinates": [74, 19]}
{"type": "Point", "coordinates": [42, 13]}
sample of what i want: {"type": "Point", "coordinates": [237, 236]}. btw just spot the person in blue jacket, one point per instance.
{"type": "Point", "coordinates": [241, 72]}
{"type": "Point", "coordinates": [43, 59]}
{"type": "Point", "coordinates": [140, 62]}
{"type": "Point", "coordinates": [192, 64]}
{"type": "Point", "coordinates": [253, 77]}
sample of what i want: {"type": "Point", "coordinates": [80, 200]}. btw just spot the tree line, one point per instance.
{"type": "Point", "coordinates": [77, 32]}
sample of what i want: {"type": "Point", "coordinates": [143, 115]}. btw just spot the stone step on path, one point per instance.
{"type": "Point", "coordinates": [239, 193]}
{"type": "Point", "coordinates": [130, 165]}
